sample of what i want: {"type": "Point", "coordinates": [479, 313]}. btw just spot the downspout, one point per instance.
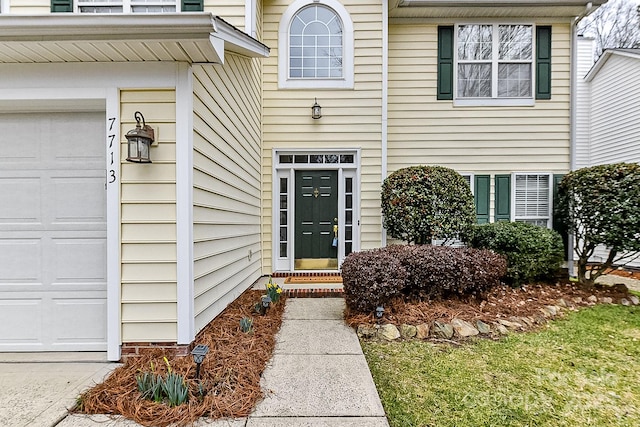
{"type": "Point", "coordinates": [588, 8]}
{"type": "Point", "coordinates": [385, 95]}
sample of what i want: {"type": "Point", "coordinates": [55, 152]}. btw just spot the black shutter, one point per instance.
{"type": "Point", "coordinates": [192, 5]}
{"type": "Point", "coordinates": [481, 196]}
{"type": "Point", "coordinates": [557, 224]}
{"type": "Point", "coordinates": [445, 62]}
{"type": "Point", "coordinates": [61, 6]}
{"type": "Point", "coordinates": [503, 198]}
{"type": "Point", "coordinates": [543, 62]}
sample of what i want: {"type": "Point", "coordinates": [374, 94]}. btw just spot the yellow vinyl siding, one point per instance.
{"type": "Point", "coordinates": [351, 119]}
{"type": "Point", "coordinates": [29, 7]}
{"type": "Point", "coordinates": [148, 230]}
{"type": "Point", "coordinates": [226, 183]}
{"type": "Point", "coordinates": [423, 130]}
{"type": "Point", "coordinates": [231, 11]}
{"type": "Point", "coordinates": [481, 140]}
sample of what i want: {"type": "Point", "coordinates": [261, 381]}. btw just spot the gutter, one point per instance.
{"type": "Point", "coordinates": [385, 100]}
{"type": "Point", "coordinates": [588, 8]}
{"type": "Point", "coordinates": [501, 3]}
{"type": "Point", "coordinates": [572, 85]}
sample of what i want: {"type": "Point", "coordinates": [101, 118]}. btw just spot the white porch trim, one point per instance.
{"type": "Point", "coordinates": [287, 170]}
{"type": "Point", "coordinates": [184, 204]}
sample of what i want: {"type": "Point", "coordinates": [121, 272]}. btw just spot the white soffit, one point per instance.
{"type": "Point", "coordinates": [488, 9]}
{"type": "Point", "coordinates": [184, 37]}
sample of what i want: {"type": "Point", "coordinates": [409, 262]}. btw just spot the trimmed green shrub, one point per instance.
{"type": "Point", "coordinates": [373, 278]}
{"type": "Point", "coordinates": [533, 253]}
{"type": "Point", "coordinates": [370, 279]}
{"type": "Point", "coordinates": [435, 272]}
{"type": "Point", "coordinates": [600, 205]}
{"type": "Point", "coordinates": [421, 203]}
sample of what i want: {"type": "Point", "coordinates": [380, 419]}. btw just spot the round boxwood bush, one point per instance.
{"type": "Point", "coordinates": [420, 203]}
{"type": "Point", "coordinates": [533, 253]}
{"type": "Point", "coordinates": [371, 279]}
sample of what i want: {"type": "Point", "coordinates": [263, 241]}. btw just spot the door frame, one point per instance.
{"type": "Point", "coordinates": [287, 170]}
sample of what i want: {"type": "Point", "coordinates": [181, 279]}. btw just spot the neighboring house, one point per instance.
{"type": "Point", "coordinates": [607, 110]}
{"type": "Point", "coordinates": [609, 113]}
{"type": "Point", "coordinates": [244, 181]}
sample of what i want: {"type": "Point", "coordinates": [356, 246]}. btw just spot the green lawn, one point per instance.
{"type": "Point", "coordinates": [583, 370]}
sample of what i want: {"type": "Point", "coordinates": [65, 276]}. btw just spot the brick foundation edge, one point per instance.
{"type": "Point", "coordinates": [136, 349]}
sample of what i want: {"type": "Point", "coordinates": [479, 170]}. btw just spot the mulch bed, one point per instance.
{"type": "Point", "coordinates": [501, 303]}
{"type": "Point", "coordinates": [230, 372]}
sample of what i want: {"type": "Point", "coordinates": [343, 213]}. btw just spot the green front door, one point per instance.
{"type": "Point", "coordinates": [316, 220]}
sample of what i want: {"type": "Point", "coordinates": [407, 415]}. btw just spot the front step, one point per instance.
{"type": "Point", "coordinates": [310, 288]}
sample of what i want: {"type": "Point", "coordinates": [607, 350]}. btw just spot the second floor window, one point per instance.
{"type": "Point", "coordinates": [315, 44]}
{"type": "Point", "coordinates": [127, 6]}
{"type": "Point", "coordinates": [494, 61]}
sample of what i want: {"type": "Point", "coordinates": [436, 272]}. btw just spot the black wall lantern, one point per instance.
{"type": "Point", "coordinates": [139, 141]}
{"type": "Point", "coordinates": [316, 110]}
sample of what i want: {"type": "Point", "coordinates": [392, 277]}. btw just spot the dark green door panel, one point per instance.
{"type": "Point", "coordinates": [316, 214]}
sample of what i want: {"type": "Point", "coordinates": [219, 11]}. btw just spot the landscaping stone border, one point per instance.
{"type": "Point", "coordinates": [459, 329]}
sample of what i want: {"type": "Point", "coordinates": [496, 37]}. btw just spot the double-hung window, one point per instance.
{"type": "Point", "coordinates": [494, 61]}
{"type": "Point", "coordinates": [533, 198]}
{"type": "Point", "coordinates": [128, 6]}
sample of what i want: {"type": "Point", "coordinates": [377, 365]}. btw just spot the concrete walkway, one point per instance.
{"type": "Point", "coordinates": [317, 377]}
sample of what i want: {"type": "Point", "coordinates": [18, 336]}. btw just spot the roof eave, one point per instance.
{"type": "Point", "coordinates": [212, 34]}
{"type": "Point", "coordinates": [443, 9]}
{"type": "Point", "coordinates": [608, 53]}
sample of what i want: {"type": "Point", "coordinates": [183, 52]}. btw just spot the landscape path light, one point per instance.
{"type": "Point", "coordinates": [198, 353]}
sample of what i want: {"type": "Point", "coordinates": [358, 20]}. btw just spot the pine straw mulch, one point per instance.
{"type": "Point", "coordinates": [502, 302]}
{"type": "Point", "coordinates": [230, 372]}
{"type": "Point", "coordinates": [629, 273]}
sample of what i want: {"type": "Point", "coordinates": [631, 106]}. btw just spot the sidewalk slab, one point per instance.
{"type": "Point", "coordinates": [316, 337]}
{"type": "Point", "coordinates": [39, 394]}
{"type": "Point", "coordinates": [314, 309]}
{"type": "Point", "coordinates": [319, 422]}
{"type": "Point", "coordinates": [78, 420]}
{"type": "Point", "coordinates": [318, 386]}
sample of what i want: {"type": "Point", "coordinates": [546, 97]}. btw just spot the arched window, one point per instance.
{"type": "Point", "coordinates": [315, 46]}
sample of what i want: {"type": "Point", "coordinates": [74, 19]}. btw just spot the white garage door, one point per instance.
{"type": "Point", "coordinates": [52, 232]}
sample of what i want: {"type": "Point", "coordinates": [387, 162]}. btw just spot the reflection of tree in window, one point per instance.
{"type": "Point", "coordinates": [315, 44]}
{"type": "Point", "coordinates": [481, 69]}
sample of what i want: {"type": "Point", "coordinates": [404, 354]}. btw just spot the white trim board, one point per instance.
{"type": "Point", "coordinates": [184, 205]}
{"type": "Point", "coordinates": [287, 170]}
{"type": "Point", "coordinates": [45, 86]}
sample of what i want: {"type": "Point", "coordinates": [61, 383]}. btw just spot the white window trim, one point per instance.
{"type": "Point", "coordinates": [514, 217]}
{"type": "Point", "coordinates": [126, 5]}
{"type": "Point", "coordinates": [346, 82]}
{"type": "Point", "coordinates": [4, 6]}
{"type": "Point", "coordinates": [472, 184]}
{"type": "Point", "coordinates": [250, 18]}
{"type": "Point", "coordinates": [494, 101]}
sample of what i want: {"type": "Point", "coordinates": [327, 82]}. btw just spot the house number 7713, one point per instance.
{"type": "Point", "coordinates": [111, 136]}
